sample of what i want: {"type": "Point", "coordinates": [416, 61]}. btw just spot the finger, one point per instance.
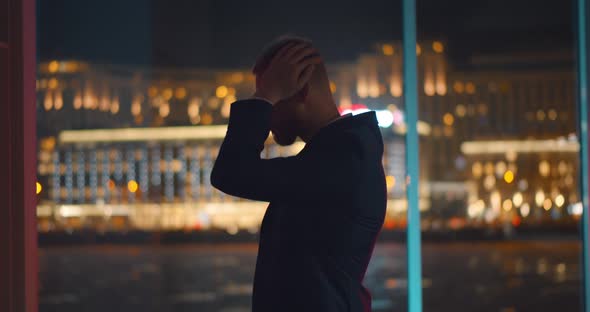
{"type": "Point", "coordinates": [303, 53]}
{"type": "Point", "coordinates": [279, 54]}
{"type": "Point", "coordinates": [283, 50]}
{"type": "Point", "coordinates": [305, 76]}
{"type": "Point", "coordinates": [314, 60]}
{"type": "Point", "coordinates": [295, 49]}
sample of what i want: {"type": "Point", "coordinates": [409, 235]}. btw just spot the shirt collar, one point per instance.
{"type": "Point", "coordinates": [341, 117]}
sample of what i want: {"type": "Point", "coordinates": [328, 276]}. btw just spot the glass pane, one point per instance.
{"type": "Point", "coordinates": [133, 102]}
{"type": "Point", "coordinates": [498, 96]}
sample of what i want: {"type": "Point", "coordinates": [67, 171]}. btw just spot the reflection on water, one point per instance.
{"type": "Point", "coordinates": [506, 277]}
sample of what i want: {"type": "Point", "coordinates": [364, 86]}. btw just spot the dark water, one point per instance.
{"type": "Point", "coordinates": [506, 277]}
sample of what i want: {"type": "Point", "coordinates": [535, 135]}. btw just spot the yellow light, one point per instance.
{"type": "Point", "coordinates": [441, 87]}
{"type": "Point", "coordinates": [104, 104]}
{"type": "Point", "coordinates": [39, 188]}
{"type": "Point", "coordinates": [458, 87]}
{"type": "Point", "coordinates": [517, 199]}
{"type": "Point", "coordinates": [544, 168]}
{"type": "Point", "coordinates": [48, 101]}
{"type": "Point", "coordinates": [559, 200]}
{"type": "Point", "coordinates": [195, 120]}
{"type": "Point", "coordinates": [470, 88]}
{"type": "Point", "coordinates": [115, 105]}
{"type": "Point", "coordinates": [53, 66]}
{"type": "Point", "coordinates": [193, 107]}
{"type": "Point", "coordinates": [390, 181]}
{"type": "Point", "coordinates": [237, 77]}
{"type": "Point", "coordinates": [167, 93]}
{"type": "Point", "coordinates": [47, 143]}
{"type": "Point", "coordinates": [460, 110]}
{"type": "Point", "coordinates": [525, 210]}
{"type": "Point", "coordinates": [540, 115]}
{"type": "Point", "coordinates": [507, 205]}
{"type": "Point", "coordinates": [562, 168]}
{"type": "Point", "coordinates": [387, 49]}
{"type": "Point", "coordinates": [176, 133]}
{"type": "Point", "coordinates": [152, 91]}
{"type": "Point", "coordinates": [552, 114]}
{"type": "Point", "coordinates": [477, 169]}
{"type": "Point", "coordinates": [489, 168]}
{"type": "Point", "coordinates": [164, 110]}
{"type": "Point", "coordinates": [332, 87]}
{"type": "Point", "coordinates": [519, 146]}
{"type": "Point", "coordinates": [180, 93]}
{"type": "Point", "coordinates": [374, 90]}
{"type": "Point", "coordinates": [547, 204]}
{"type": "Point", "coordinates": [539, 198]}
{"type": "Point", "coordinates": [77, 101]}
{"type": "Point", "coordinates": [395, 86]}
{"type": "Point", "coordinates": [226, 108]}
{"type": "Point", "coordinates": [448, 119]}
{"type": "Point", "coordinates": [221, 92]}
{"type": "Point", "coordinates": [362, 88]}
{"type": "Point", "coordinates": [511, 155]}
{"type": "Point", "coordinates": [213, 103]}
{"type": "Point", "coordinates": [509, 176]}
{"type": "Point", "coordinates": [438, 47]}
{"type": "Point", "coordinates": [58, 102]}
{"type": "Point", "coordinates": [489, 182]}
{"type": "Point", "coordinates": [418, 49]}
{"type": "Point", "coordinates": [496, 200]}
{"type": "Point", "coordinates": [429, 87]}
{"type": "Point", "coordinates": [132, 186]}
{"type": "Point", "coordinates": [53, 83]}
{"type": "Point", "coordinates": [136, 105]}
{"type": "Point", "coordinates": [206, 119]}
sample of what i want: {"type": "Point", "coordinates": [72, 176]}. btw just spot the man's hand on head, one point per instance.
{"type": "Point", "coordinates": [287, 73]}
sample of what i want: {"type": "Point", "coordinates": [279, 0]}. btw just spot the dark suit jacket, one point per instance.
{"type": "Point", "coordinates": [327, 206]}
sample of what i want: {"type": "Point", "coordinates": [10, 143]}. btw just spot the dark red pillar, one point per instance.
{"type": "Point", "coordinates": [18, 233]}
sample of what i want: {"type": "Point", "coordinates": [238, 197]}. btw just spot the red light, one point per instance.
{"type": "Point", "coordinates": [198, 226]}
{"type": "Point", "coordinates": [516, 221]}
{"type": "Point", "coordinates": [353, 108]}
{"type": "Point", "coordinates": [389, 224]}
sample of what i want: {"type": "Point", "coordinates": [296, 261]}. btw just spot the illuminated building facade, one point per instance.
{"type": "Point", "coordinates": [132, 148]}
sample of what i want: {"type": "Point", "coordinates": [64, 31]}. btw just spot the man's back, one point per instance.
{"type": "Point", "coordinates": [327, 206]}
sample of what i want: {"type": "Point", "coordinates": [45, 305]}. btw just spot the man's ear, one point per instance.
{"type": "Point", "coordinates": [303, 94]}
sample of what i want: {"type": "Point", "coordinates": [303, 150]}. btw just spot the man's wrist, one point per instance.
{"type": "Point", "coordinates": [272, 99]}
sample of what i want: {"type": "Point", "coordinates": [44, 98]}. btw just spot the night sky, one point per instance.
{"type": "Point", "coordinates": [229, 33]}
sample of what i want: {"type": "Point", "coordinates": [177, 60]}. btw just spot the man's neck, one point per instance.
{"type": "Point", "coordinates": [329, 118]}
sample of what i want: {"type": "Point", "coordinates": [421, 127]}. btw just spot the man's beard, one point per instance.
{"type": "Point", "coordinates": [284, 138]}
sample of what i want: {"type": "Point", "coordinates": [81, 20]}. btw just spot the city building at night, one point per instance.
{"type": "Point", "coordinates": [132, 148]}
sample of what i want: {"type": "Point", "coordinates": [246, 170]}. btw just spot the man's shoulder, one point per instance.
{"type": "Point", "coordinates": [342, 141]}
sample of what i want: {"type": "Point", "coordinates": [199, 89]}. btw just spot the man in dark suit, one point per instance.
{"type": "Point", "coordinates": [327, 203]}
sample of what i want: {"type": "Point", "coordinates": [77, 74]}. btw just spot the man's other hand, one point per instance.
{"type": "Point", "coordinates": [287, 73]}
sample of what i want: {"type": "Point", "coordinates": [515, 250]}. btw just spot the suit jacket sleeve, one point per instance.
{"type": "Point", "coordinates": [239, 170]}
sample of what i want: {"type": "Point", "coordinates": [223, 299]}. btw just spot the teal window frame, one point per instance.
{"type": "Point", "coordinates": [582, 72]}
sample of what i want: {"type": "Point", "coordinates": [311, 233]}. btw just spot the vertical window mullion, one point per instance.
{"type": "Point", "coordinates": [412, 159]}
{"type": "Point", "coordinates": [582, 68]}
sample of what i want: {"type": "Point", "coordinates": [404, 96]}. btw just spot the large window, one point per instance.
{"type": "Point", "coordinates": [133, 101]}
{"type": "Point", "coordinates": [499, 92]}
